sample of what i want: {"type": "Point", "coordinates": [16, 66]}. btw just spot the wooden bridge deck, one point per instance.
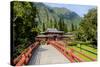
{"type": "Point", "coordinates": [47, 54]}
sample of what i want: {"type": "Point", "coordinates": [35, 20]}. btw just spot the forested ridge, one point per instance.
{"type": "Point", "coordinates": [54, 17]}
{"type": "Point", "coordinates": [29, 19]}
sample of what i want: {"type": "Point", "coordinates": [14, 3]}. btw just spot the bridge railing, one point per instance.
{"type": "Point", "coordinates": [25, 56]}
{"type": "Point", "coordinates": [67, 53]}
{"type": "Point", "coordinates": [79, 52]}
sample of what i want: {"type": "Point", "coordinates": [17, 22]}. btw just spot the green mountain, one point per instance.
{"type": "Point", "coordinates": [54, 17]}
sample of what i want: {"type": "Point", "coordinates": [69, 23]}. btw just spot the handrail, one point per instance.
{"type": "Point", "coordinates": [72, 57]}
{"type": "Point", "coordinates": [65, 54]}
{"type": "Point", "coordinates": [25, 56]}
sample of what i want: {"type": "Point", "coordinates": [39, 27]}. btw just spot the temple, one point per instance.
{"type": "Point", "coordinates": [51, 34]}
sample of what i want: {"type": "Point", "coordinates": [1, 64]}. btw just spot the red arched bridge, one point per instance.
{"type": "Point", "coordinates": [53, 52]}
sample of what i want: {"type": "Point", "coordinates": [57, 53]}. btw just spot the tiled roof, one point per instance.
{"type": "Point", "coordinates": [53, 30]}
{"type": "Point", "coordinates": [41, 36]}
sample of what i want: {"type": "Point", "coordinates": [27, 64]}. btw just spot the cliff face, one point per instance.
{"type": "Point", "coordinates": [54, 17]}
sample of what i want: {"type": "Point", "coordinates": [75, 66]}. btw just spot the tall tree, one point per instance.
{"type": "Point", "coordinates": [72, 27]}
{"type": "Point", "coordinates": [23, 16]}
{"type": "Point", "coordinates": [44, 27]}
{"type": "Point", "coordinates": [65, 28]}
{"type": "Point", "coordinates": [60, 24]}
{"type": "Point", "coordinates": [88, 27]}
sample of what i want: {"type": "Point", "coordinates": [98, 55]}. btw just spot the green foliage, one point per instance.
{"type": "Point", "coordinates": [24, 25]}
{"type": "Point", "coordinates": [59, 18]}
{"type": "Point", "coordinates": [88, 27]}
{"type": "Point", "coordinates": [72, 43]}
{"type": "Point", "coordinates": [28, 19]}
{"type": "Point", "coordinates": [72, 25]}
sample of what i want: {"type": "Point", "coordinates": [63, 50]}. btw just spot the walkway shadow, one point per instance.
{"type": "Point", "coordinates": [36, 55]}
{"type": "Point", "coordinates": [42, 49]}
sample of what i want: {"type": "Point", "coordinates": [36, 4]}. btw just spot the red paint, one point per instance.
{"type": "Point", "coordinates": [26, 60]}
{"type": "Point", "coordinates": [22, 60]}
{"type": "Point", "coordinates": [24, 57]}
{"type": "Point", "coordinates": [68, 53]}
{"type": "Point", "coordinates": [61, 49]}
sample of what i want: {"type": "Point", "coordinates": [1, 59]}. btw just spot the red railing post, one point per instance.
{"type": "Point", "coordinates": [22, 60]}
{"type": "Point", "coordinates": [67, 53]}
{"type": "Point", "coordinates": [25, 56]}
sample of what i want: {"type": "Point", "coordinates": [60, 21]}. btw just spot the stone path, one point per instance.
{"type": "Point", "coordinates": [47, 54]}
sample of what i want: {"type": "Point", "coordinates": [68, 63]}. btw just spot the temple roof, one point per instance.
{"type": "Point", "coordinates": [44, 36]}
{"type": "Point", "coordinates": [41, 36]}
{"type": "Point", "coordinates": [53, 30]}
{"type": "Point", "coordinates": [50, 30]}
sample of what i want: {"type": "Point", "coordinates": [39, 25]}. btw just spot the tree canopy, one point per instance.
{"type": "Point", "coordinates": [23, 20]}
{"type": "Point", "coordinates": [88, 27]}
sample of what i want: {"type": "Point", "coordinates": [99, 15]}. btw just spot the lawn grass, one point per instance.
{"type": "Point", "coordinates": [81, 56]}
{"type": "Point", "coordinates": [85, 52]}
{"type": "Point", "coordinates": [78, 54]}
{"type": "Point", "coordinates": [88, 48]}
